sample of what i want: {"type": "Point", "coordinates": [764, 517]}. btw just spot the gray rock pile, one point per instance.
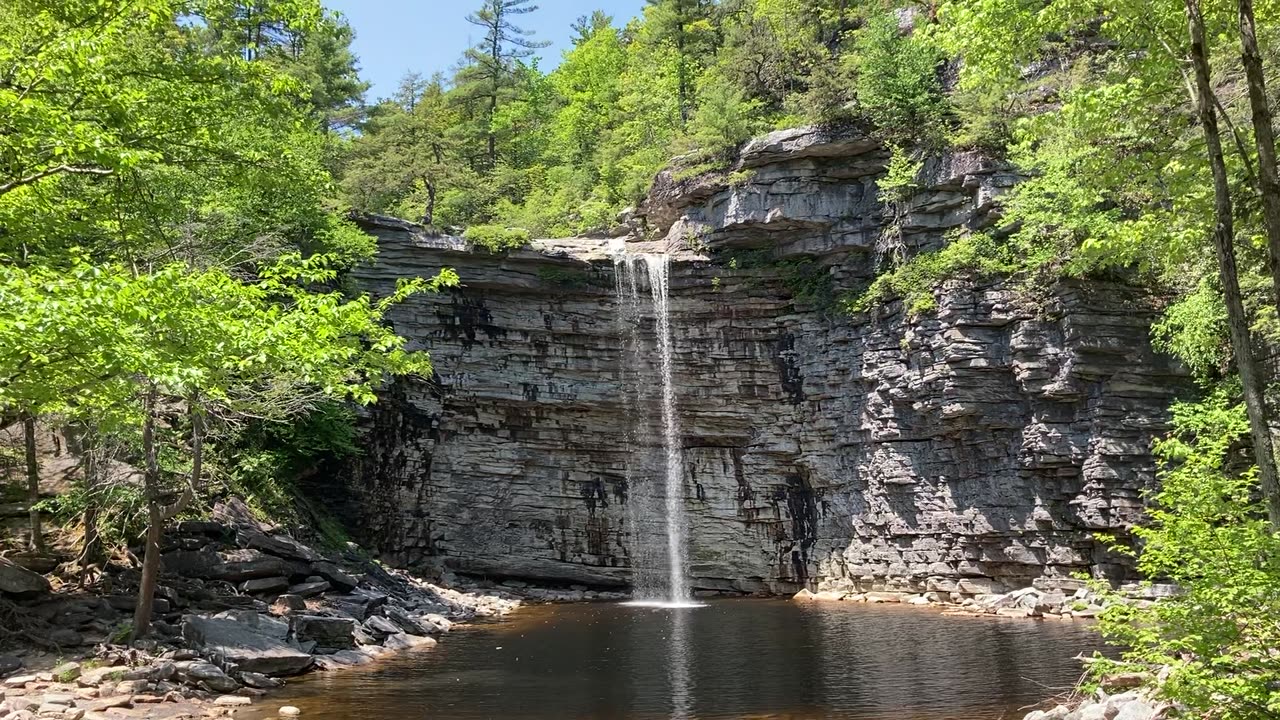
{"type": "Point", "coordinates": [1130, 705]}
{"type": "Point", "coordinates": [239, 606]}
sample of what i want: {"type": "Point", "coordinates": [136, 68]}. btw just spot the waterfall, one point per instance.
{"type": "Point", "coordinates": [655, 509]}
{"type": "Point", "coordinates": [677, 558]}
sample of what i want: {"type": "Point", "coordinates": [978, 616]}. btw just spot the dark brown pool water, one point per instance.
{"type": "Point", "coordinates": [730, 659]}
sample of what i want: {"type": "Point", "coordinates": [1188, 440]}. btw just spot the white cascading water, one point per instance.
{"type": "Point", "coordinates": [655, 511]}
{"type": "Point", "coordinates": [678, 586]}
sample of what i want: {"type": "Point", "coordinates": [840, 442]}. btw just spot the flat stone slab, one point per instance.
{"type": "Point", "coordinates": [235, 642]}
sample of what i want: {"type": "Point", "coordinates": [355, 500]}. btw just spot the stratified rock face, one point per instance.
{"type": "Point", "coordinates": [973, 448]}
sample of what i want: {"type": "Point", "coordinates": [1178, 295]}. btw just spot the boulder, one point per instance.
{"type": "Point", "coordinates": [330, 634]}
{"type": "Point", "coordinates": [265, 586]}
{"type": "Point", "coordinates": [200, 527]}
{"type": "Point", "coordinates": [209, 676]}
{"type": "Point", "coordinates": [1136, 710]}
{"type": "Point", "coordinates": [310, 588]}
{"type": "Point", "coordinates": [279, 545]}
{"type": "Point", "coordinates": [66, 637]}
{"type": "Point", "coordinates": [202, 563]}
{"type": "Point", "coordinates": [407, 622]}
{"type": "Point", "coordinates": [288, 604]}
{"type": "Point", "coordinates": [20, 582]}
{"type": "Point", "coordinates": [402, 641]}
{"type": "Point", "coordinates": [342, 659]}
{"type": "Point", "coordinates": [336, 576]}
{"type": "Point", "coordinates": [9, 663]}
{"type": "Point", "coordinates": [244, 645]}
{"type": "Point", "coordinates": [259, 681]}
{"type": "Point", "coordinates": [19, 704]}
{"type": "Point", "coordinates": [1094, 711]}
{"type": "Point", "coordinates": [236, 512]}
{"type": "Point", "coordinates": [99, 675]}
{"type": "Point", "coordinates": [240, 565]}
{"type": "Point", "coordinates": [380, 627]}
{"type": "Point", "coordinates": [360, 604]}
{"type": "Point", "coordinates": [108, 703]}
{"type": "Point", "coordinates": [159, 671]}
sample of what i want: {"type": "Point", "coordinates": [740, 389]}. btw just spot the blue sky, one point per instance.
{"type": "Point", "coordinates": [395, 36]}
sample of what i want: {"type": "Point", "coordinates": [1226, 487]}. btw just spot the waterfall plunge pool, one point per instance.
{"type": "Point", "coordinates": [746, 658]}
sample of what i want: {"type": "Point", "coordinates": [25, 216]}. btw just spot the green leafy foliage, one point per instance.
{"type": "Point", "coordinates": [914, 281]}
{"type": "Point", "coordinates": [564, 152]}
{"type": "Point", "coordinates": [497, 238]}
{"type": "Point", "coordinates": [1209, 535]}
{"type": "Point", "coordinates": [898, 87]}
{"type": "Point", "coordinates": [169, 247]}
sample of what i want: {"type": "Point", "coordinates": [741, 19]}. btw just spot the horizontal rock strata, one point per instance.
{"type": "Point", "coordinates": [970, 450]}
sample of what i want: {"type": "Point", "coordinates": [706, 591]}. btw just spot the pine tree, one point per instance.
{"type": "Point", "coordinates": [490, 68]}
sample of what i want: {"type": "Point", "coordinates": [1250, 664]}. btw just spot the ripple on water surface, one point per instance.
{"type": "Point", "coordinates": [727, 659]}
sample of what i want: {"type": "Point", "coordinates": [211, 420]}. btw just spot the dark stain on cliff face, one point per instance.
{"type": "Point", "coordinates": [593, 494]}
{"type": "Point", "coordinates": [530, 391]}
{"type": "Point", "coordinates": [802, 509]}
{"type": "Point", "coordinates": [365, 493]}
{"type": "Point", "coordinates": [788, 366]}
{"type": "Point", "coordinates": [597, 536]}
{"type": "Point", "coordinates": [465, 318]}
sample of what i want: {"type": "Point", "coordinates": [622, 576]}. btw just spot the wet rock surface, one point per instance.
{"type": "Point", "coordinates": [968, 451]}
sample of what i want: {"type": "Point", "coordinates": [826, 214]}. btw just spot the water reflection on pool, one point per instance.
{"type": "Point", "coordinates": [729, 659]}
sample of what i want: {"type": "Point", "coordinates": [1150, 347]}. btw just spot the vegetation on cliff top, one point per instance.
{"type": "Point", "coordinates": [499, 141]}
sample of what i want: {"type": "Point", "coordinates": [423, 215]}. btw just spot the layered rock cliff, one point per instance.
{"type": "Point", "coordinates": [972, 448]}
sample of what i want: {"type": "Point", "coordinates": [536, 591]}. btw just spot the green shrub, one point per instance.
{"type": "Point", "coordinates": [898, 86]}
{"type": "Point", "coordinates": [122, 511]}
{"type": "Point", "coordinates": [915, 280]}
{"type": "Point", "coordinates": [496, 238]}
{"type": "Point", "coordinates": [901, 176]}
{"type": "Point", "coordinates": [263, 461]}
{"type": "Point", "coordinates": [1209, 535]}
{"type": "Point", "coordinates": [1194, 329]}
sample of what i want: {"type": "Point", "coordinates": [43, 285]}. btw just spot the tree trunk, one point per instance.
{"type": "Point", "coordinates": [496, 53]}
{"type": "Point", "coordinates": [194, 483]}
{"type": "Point", "coordinates": [151, 555]}
{"type": "Point", "coordinates": [1251, 377]}
{"type": "Point", "coordinates": [429, 216]}
{"type": "Point", "coordinates": [1265, 139]}
{"type": "Point", "coordinates": [157, 515]}
{"type": "Point", "coordinates": [90, 552]}
{"type": "Point", "coordinates": [33, 480]}
{"type": "Point", "coordinates": [493, 139]}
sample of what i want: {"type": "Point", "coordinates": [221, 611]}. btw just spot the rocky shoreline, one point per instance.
{"type": "Point", "coordinates": [241, 606]}
{"type": "Point", "coordinates": [1059, 600]}
{"type": "Point", "coordinates": [1128, 705]}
